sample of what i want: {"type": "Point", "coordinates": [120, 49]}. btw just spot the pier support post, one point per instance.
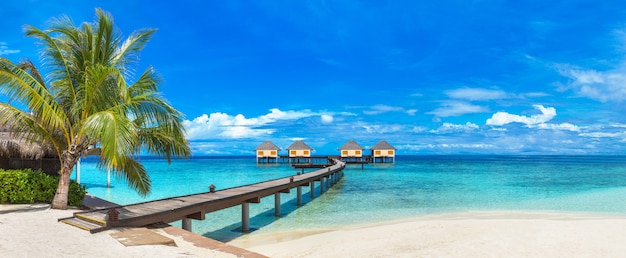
{"type": "Point", "coordinates": [245, 217]}
{"type": "Point", "coordinates": [321, 185]}
{"type": "Point", "coordinates": [328, 183]}
{"type": "Point", "coordinates": [277, 204]}
{"type": "Point", "coordinates": [312, 189]}
{"type": "Point", "coordinates": [299, 194]}
{"type": "Point", "coordinates": [187, 224]}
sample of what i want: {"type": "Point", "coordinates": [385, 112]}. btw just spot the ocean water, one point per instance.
{"type": "Point", "coordinates": [413, 186]}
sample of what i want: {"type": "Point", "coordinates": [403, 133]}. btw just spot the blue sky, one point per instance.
{"type": "Point", "coordinates": [460, 77]}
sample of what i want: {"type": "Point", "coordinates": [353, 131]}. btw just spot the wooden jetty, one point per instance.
{"type": "Point", "coordinates": [196, 206]}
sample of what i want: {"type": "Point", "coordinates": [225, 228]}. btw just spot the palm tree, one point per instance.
{"type": "Point", "coordinates": [90, 101]}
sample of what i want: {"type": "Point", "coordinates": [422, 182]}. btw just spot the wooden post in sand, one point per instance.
{"type": "Point", "coordinates": [277, 204]}
{"type": "Point", "coordinates": [245, 217]}
{"type": "Point", "coordinates": [187, 224]}
{"type": "Point", "coordinates": [299, 195]}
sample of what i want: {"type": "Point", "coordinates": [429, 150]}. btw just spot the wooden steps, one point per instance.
{"type": "Point", "coordinates": [85, 224]}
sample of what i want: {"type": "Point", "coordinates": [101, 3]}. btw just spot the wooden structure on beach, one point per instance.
{"type": "Point", "coordinates": [352, 152]}
{"type": "Point", "coordinates": [383, 152]}
{"type": "Point", "coordinates": [196, 206]}
{"type": "Point", "coordinates": [267, 152]}
{"type": "Point", "coordinates": [299, 152]}
{"type": "Point", "coordinates": [18, 153]}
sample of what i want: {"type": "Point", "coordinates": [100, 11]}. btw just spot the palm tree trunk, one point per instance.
{"type": "Point", "coordinates": [60, 197]}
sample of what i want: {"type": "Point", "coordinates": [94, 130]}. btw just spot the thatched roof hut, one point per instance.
{"type": "Point", "coordinates": [18, 153]}
{"type": "Point", "coordinates": [12, 146]}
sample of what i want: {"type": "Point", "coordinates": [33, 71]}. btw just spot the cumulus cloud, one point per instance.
{"type": "Point", "coordinates": [476, 94]}
{"type": "Point", "coordinates": [457, 108]}
{"type": "Point", "coordinates": [451, 128]}
{"type": "Point", "coordinates": [220, 124]}
{"type": "Point", "coordinates": [503, 118]}
{"type": "Point", "coordinates": [534, 121]}
{"type": "Point", "coordinates": [4, 49]}
{"type": "Point", "coordinates": [602, 86]}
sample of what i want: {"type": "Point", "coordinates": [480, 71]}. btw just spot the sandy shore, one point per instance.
{"type": "Point", "coordinates": [33, 231]}
{"type": "Point", "coordinates": [472, 234]}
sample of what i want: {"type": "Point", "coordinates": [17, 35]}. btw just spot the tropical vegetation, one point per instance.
{"type": "Point", "coordinates": [90, 99]}
{"type": "Point", "coordinates": [28, 186]}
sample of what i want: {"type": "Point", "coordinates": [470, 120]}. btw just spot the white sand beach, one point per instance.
{"type": "Point", "coordinates": [472, 234]}
{"type": "Point", "coordinates": [33, 231]}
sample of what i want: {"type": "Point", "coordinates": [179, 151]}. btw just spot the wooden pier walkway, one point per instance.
{"type": "Point", "coordinates": [195, 206]}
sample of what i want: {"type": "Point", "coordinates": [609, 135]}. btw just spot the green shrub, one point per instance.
{"type": "Point", "coordinates": [28, 186]}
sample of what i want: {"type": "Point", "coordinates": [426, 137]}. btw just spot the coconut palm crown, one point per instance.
{"type": "Point", "coordinates": [89, 99]}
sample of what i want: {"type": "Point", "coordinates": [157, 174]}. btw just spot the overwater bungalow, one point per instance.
{"type": "Point", "coordinates": [351, 151]}
{"type": "Point", "coordinates": [267, 152]}
{"type": "Point", "coordinates": [299, 152]}
{"type": "Point", "coordinates": [383, 152]}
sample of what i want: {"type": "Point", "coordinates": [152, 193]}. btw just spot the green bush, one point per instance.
{"type": "Point", "coordinates": [28, 186]}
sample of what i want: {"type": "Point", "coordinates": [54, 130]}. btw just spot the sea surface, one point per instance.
{"type": "Point", "coordinates": [412, 186]}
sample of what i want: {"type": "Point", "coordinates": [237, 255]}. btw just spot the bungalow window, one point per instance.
{"type": "Point", "coordinates": [260, 153]}
{"type": "Point", "coordinates": [377, 152]}
{"type": "Point", "coordinates": [390, 152]}
{"type": "Point", "coordinates": [292, 153]}
{"type": "Point", "coordinates": [273, 152]}
{"type": "Point", "coordinates": [344, 152]}
{"type": "Point", "coordinates": [358, 152]}
{"type": "Point", "coordinates": [306, 152]}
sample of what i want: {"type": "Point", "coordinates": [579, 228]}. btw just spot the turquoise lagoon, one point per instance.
{"type": "Point", "coordinates": [413, 186]}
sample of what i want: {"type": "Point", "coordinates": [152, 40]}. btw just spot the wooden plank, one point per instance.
{"type": "Point", "coordinates": [196, 206]}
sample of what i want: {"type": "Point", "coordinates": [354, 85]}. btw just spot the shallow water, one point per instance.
{"type": "Point", "coordinates": [414, 185]}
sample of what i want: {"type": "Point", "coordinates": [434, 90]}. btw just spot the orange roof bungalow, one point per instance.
{"type": "Point", "coordinates": [299, 149]}
{"type": "Point", "coordinates": [383, 152]}
{"type": "Point", "coordinates": [267, 151]}
{"type": "Point", "coordinates": [351, 151]}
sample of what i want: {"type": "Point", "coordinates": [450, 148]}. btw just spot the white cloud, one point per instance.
{"type": "Point", "coordinates": [604, 134]}
{"type": "Point", "coordinates": [503, 118]}
{"type": "Point", "coordinates": [457, 108]}
{"type": "Point", "coordinates": [476, 94]}
{"type": "Point", "coordinates": [4, 49]}
{"type": "Point", "coordinates": [327, 119]}
{"type": "Point", "coordinates": [563, 126]}
{"type": "Point", "coordinates": [419, 129]}
{"type": "Point", "coordinates": [380, 109]}
{"type": "Point", "coordinates": [382, 129]}
{"type": "Point", "coordinates": [220, 124]}
{"type": "Point", "coordinates": [417, 147]}
{"type": "Point", "coordinates": [534, 121]}
{"type": "Point", "coordinates": [601, 86]}
{"type": "Point", "coordinates": [535, 94]}
{"type": "Point", "coordinates": [451, 128]}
